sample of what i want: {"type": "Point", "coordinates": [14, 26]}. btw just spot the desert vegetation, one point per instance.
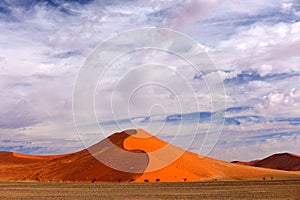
{"type": "Point", "coordinates": [153, 190]}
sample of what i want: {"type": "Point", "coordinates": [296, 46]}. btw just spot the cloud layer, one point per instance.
{"type": "Point", "coordinates": [254, 46]}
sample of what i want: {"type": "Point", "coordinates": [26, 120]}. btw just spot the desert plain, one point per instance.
{"type": "Point", "coordinates": [275, 189]}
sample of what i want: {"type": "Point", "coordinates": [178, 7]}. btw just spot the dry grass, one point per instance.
{"type": "Point", "coordinates": [209, 190]}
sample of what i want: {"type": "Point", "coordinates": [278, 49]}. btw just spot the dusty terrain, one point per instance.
{"type": "Point", "coordinates": [138, 156]}
{"type": "Point", "coordinates": [205, 190]}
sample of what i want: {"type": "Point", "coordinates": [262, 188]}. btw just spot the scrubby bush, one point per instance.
{"type": "Point", "coordinates": [157, 180]}
{"type": "Point", "coordinates": [146, 180]}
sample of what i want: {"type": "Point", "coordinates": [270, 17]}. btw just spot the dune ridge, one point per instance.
{"type": "Point", "coordinates": [280, 161]}
{"type": "Point", "coordinates": [131, 155]}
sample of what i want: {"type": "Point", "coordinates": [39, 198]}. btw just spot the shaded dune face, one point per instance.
{"type": "Point", "coordinates": [8, 158]}
{"type": "Point", "coordinates": [281, 161]}
{"type": "Point", "coordinates": [113, 153]}
{"type": "Point", "coordinates": [107, 160]}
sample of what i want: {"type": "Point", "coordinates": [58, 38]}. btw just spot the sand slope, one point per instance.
{"type": "Point", "coordinates": [132, 155]}
{"type": "Point", "coordinates": [281, 161]}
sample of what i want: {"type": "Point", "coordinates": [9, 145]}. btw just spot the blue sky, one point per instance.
{"type": "Point", "coordinates": [254, 45]}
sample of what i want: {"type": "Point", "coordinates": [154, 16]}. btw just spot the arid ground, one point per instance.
{"type": "Point", "coordinates": [275, 189]}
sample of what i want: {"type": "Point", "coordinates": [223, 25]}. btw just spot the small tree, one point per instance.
{"type": "Point", "coordinates": [146, 180]}
{"type": "Point", "coordinates": [94, 180]}
{"type": "Point", "coordinates": [264, 178]}
{"type": "Point", "coordinates": [157, 180]}
{"type": "Point", "coordinates": [271, 177]}
{"type": "Point", "coordinates": [185, 179]}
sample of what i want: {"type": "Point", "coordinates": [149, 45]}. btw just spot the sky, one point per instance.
{"type": "Point", "coordinates": [254, 46]}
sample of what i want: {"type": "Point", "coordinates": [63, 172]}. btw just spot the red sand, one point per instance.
{"type": "Point", "coordinates": [281, 161]}
{"type": "Point", "coordinates": [137, 151]}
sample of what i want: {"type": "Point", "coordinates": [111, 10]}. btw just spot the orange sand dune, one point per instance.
{"type": "Point", "coordinates": [132, 155]}
{"type": "Point", "coordinates": [250, 163]}
{"type": "Point", "coordinates": [7, 158]}
{"type": "Point", "coordinates": [281, 161]}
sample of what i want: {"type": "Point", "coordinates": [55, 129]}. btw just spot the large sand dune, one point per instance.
{"type": "Point", "coordinates": [281, 161]}
{"type": "Point", "coordinates": [132, 155]}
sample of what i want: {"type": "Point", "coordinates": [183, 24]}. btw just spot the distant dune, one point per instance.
{"type": "Point", "coordinates": [132, 155]}
{"type": "Point", "coordinates": [280, 161]}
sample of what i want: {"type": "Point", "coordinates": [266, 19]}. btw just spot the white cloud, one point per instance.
{"type": "Point", "coordinates": [250, 8]}
{"type": "Point", "coordinates": [244, 50]}
{"type": "Point", "coordinates": [265, 69]}
{"type": "Point", "coordinates": [188, 12]}
{"type": "Point", "coordinates": [280, 104]}
{"type": "Point", "coordinates": [286, 6]}
{"type": "Point", "coordinates": [271, 50]}
{"type": "Point", "coordinates": [257, 149]}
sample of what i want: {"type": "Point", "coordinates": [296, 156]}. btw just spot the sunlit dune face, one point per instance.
{"type": "Point", "coordinates": [143, 141]}
{"type": "Point", "coordinates": [19, 155]}
{"type": "Point", "coordinates": [161, 154]}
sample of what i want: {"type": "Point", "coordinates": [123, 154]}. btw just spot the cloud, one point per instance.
{"type": "Point", "coordinates": [17, 141]}
{"type": "Point", "coordinates": [39, 60]}
{"type": "Point", "coordinates": [43, 45]}
{"type": "Point", "coordinates": [253, 44]}
{"type": "Point", "coordinates": [287, 6]}
{"type": "Point", "coordinates": [246, 77]}
{"type": "Point", "coordinates": [280, 104]}
{"type": "Point", "coordinates": [188, 12]}
{"type": "Point", "coordinates": [40, 98]}
{"type": "Point", "coordinates": [257, 148]}
{"type": "Point", "coordinates": [274, 45]}
{"type": "Point", "coordinates": [265, 69]}
{"type": "Point", "coordinates": [262, 58]}
{"type": "Point", "coordinates": [17, 116]}
{"type": "Point", "coordinates": [233, 116]}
